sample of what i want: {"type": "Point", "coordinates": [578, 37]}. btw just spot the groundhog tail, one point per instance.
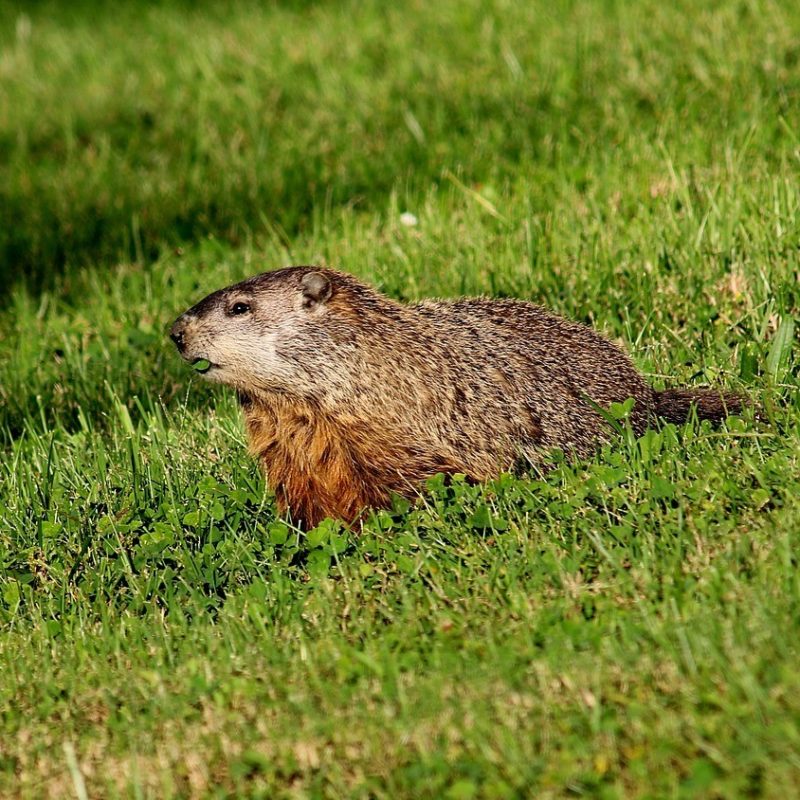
{"type": "Point", "coordinates": [675, 405]}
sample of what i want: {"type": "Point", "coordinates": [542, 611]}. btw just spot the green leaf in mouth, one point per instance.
{"type": "Point", "coordinates": [201, 365]}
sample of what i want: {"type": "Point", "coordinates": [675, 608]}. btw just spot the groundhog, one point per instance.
{"type": "Point", "coordinates": [349, 396]}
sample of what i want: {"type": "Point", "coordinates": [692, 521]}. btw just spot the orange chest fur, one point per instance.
{"type": "Point", "coordinates": [312, 466]}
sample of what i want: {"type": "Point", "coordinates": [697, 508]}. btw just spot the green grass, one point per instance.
{"type": "Point", "coordinates": [622, 627]}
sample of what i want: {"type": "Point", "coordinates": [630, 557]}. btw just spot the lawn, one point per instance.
{"type": "Point", "coordinates": [623, 627]}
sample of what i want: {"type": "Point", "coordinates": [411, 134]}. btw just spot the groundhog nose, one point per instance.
{"type": "Point", "coordinates": [176, 334]}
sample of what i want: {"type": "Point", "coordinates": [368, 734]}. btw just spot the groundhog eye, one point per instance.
{"type": "Point", "coordinates": [239, 308]}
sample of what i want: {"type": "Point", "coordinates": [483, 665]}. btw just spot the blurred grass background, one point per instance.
{"type": "Point", "coordinates": [124, 130]}
{"type": "Point", "coordinates": [626, 627]}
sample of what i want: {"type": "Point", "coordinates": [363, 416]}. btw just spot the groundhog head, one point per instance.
{"type": "Point", "coordinates": [272, 333]}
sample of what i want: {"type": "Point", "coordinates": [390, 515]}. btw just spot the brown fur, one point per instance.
{"type": "Point", "coordinates": [349, 396]}
{"type": "Point", "coordinates": [676, 405]}
{"type": "Point", "coordinates": [320, 469]}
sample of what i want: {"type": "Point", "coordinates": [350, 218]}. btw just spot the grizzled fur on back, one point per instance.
{"type": "Point", "coordinates": [349, 396]}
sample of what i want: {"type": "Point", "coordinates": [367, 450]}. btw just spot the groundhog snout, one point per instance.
{"type": "Point", "coordinates": [178, 334]}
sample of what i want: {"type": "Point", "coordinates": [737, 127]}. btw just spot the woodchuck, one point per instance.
{"type": "Point", "coordinates": [349, 396]}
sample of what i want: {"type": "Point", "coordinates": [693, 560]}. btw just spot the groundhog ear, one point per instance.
{"type": "Point", "coordinates": [316, 289]}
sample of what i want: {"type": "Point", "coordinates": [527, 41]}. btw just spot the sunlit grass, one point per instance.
{"type": "Point", "coordinates": [622, 627]}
